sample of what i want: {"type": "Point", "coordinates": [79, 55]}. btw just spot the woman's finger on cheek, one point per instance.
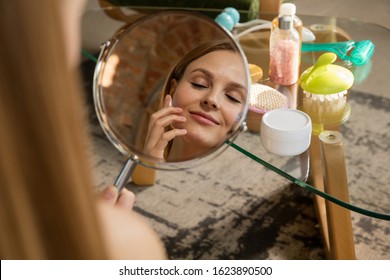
{"type": "Point", "coordinates": [167, 101]}
{"type": "Point", "coordinates": [168, 136]}
{"type": "Point", "coordinates": [126, 199]}
{"type": "Point", "coordinates": [157, 130]}
{"type": "Point", "coordinates": [163, 122]}
{"type": "Point", "coordinates": [165, 112]}
{"type": "Point", "coordinates": [160, 114]}
{"type": "Point", "coordinates": [109, 195]}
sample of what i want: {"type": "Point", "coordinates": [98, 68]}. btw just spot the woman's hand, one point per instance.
{"type": "Point", "coordinates": [125, 199]}
{"type": "Point", "coordinates": [127, 235]}
{"type": "Point", "coordinates": [157, 138]}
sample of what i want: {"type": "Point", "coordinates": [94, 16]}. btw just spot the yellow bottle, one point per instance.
{"type": "Point", "coordinates": [143, 176]}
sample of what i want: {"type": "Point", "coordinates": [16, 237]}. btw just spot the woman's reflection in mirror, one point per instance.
{"type": "Point", "coordinates": [202, 100]}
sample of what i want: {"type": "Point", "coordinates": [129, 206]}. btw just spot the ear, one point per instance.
{"type": "Point", "coordinates": [172, 87]}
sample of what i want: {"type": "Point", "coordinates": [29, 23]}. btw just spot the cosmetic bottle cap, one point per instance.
{"type": "Point", "coordinates": [288, 9]}
{"type": "Point", "coordinates": [285, 22]}
{"type": "Point", "coordinates": [326, 78]}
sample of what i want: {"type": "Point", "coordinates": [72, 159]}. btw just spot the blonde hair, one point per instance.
{"type": "Point", "coordinates": [47, 208]}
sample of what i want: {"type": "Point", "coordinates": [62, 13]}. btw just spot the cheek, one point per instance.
{"type": "Point", "coordinates": [231, 115]}
{"type": "Point", "coordinates": [183, 96]}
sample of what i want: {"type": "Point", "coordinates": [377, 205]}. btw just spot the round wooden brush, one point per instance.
{"type": "Point", "coordinates": [263, 99]}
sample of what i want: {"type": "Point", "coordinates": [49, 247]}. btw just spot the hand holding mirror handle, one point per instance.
{"type": "Point", "coordinates": [126, 172]}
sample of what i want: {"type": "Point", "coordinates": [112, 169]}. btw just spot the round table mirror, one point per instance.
{"type": "Point", "coordinates": [170, 89]}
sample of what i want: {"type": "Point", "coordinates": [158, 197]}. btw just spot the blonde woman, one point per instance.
{"type": "Point", "coordinates": [48, 209]}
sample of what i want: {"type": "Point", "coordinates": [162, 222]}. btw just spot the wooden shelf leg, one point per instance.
{"type": "Point", "coordinates": [316, 179]}
{"type": "Point", "coordinates": [341, 243]}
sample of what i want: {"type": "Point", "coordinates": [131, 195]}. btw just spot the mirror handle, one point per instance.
{"type": "Point", "coordinates": [126, 172]}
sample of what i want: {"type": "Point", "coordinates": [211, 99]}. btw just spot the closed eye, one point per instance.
{"type": "Point", "coordinates": [198, 86]}
{"type": "Point", "coordinates": [233, 99]}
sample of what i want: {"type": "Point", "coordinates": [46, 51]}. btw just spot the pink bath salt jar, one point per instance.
{"type": "Point", "coordinates": [284, 53]}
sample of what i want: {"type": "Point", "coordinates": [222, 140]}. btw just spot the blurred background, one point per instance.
{"type": "Point", "coordinates": [375, 11]}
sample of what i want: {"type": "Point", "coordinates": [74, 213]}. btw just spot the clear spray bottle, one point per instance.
{"type": "Point", "coordinates": [284, 48]}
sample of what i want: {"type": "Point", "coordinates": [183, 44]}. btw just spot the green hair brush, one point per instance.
{"type": "Point", "coordinates": [359, 53]}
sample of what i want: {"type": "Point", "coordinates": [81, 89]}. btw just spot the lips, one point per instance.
{"type": "Point", "coordinates": [204, 118]}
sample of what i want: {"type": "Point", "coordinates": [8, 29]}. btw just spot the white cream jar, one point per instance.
{"type": "Point", "coordinates": [286, 132]}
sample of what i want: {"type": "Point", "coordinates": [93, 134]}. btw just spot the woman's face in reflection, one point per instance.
{"type": "Point", "coordinates": [212, 94]}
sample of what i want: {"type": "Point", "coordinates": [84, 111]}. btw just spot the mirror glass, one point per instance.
{"type": "Point", "coordinates": [171, 88]}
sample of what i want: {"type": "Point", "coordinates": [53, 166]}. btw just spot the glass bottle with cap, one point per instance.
{"type": "Point", "coordinates": [284, 51]}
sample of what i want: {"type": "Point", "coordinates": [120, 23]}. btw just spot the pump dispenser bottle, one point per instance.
{"type": "Point", "coordinates": [284, 48]}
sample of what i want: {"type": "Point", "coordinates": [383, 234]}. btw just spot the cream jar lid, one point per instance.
{"type": "Point", "coordinates": [286, 130]}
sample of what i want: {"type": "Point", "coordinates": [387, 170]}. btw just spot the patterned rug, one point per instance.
{"type": "Point", "coordinates": [234, 208]}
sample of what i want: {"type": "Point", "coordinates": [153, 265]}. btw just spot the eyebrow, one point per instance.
{"type": "Point", "coordinates": [204, 71]}
{"type": "Point", "coordinates": [210, 75]}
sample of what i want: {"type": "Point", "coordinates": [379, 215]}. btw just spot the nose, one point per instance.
{"type": "Point", "coordinates": [210, 100]}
